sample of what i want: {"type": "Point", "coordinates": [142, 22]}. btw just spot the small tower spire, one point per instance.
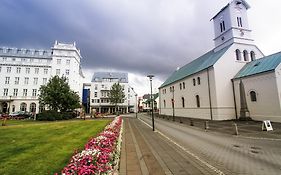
{"type": "Point", "coordinates": [231, 25]}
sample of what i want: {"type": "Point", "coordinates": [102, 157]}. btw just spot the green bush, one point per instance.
{"type": "Point", "coordinates": [49, 116]}
{"type": "Point", "coordinates": [68, 115]}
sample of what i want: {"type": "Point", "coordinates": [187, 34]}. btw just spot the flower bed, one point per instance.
{"type": "Point", "coordinates": [101, 154]}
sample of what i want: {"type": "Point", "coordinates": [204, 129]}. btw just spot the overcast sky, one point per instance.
{"type": "Point", "coordinates": [136, 36]}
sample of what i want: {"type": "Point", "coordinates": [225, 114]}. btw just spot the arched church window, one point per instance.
{"type": "Point", "coordinates": [183, 85]}
{"type": "Point", "coordinates": [198, 81]}
{"type": "Point", "coordinates": [183, 102]}
{"type": "Point", "coordinates": [197, 101]}
{"type": "Point", "coordinates": [164, 103]}
{"type": "Point", "coordinates": [253, 55]}
{"type": "Point", "coordinates": [180, 86]}
{"type": "Point", "coordinates": [238, 54]}
{"type": "Point", "coordinates": [245, 55]}
{"type": "Point", "coordinates": [253, 96]}
{"type": "Point", "coordinates": [32, 107]}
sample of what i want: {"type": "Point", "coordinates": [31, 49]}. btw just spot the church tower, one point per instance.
{"type": "Point", "coordinates": [231, 25]}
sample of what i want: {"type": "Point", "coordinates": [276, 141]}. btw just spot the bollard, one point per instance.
{"type": "Point", "coordinates": [235, 129]}
{"type": "Point", "coordinates": [191, 122]}
{"type": "Point", "coordinates": [206, 125]}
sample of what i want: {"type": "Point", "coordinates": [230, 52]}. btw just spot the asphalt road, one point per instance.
{"type": "Point", "coordinates": [223, 153]}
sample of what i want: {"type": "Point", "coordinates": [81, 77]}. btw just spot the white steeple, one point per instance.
{"type": "Point", "coordinates": [231, 25]}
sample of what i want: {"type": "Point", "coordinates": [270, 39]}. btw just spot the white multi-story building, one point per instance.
{"type": "Point", "coordinates": [233, 80]}
{"type": "Point", "coordinates": [23, 71]}
{"type": "Point", "coordinates": [100, 88]}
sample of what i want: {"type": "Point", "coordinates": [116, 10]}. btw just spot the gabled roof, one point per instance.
{"type": "Point", "coordinates": [265, 64]}
{"type": "Point", "coordinates": [120, 76]}
{"type": "Point", "coordinates": [203, 62]}
{"type": "Point", "coordinates": [154, 96]}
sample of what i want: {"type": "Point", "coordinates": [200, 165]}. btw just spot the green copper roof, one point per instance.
{"type": "Point", "coordinates": [265, 64]}
{"type": "Point", "coordinates": [201, 63]}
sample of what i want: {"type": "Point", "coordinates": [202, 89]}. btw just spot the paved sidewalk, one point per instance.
{"type": "Point", "coordinates": [146, 152]}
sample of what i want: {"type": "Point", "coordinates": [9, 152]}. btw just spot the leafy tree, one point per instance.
{"type": "Point", "coordinates": [57, 95]}
{"type": "Point", "coordinates": [116, 94]}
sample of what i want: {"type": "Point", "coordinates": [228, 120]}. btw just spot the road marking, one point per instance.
{"type": "Point", "coordinates": [188, 152]}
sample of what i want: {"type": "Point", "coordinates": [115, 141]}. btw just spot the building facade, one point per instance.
{"type": "Point", "coordinates": [208, 87]}
{"type": "Point", "coordinates": [99, 93]}
{"type": "Point", "coordinates": [23, 71]}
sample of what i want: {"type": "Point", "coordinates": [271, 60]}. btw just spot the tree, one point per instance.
{"type": "Point", "coordinates": [116, 94]}
{"type": "Point", "coordinates": [58, 96]}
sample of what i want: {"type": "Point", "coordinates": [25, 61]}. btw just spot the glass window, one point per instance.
{"type": "Point", "coordinates": [194, 82]}
{"type": "Point", "coordinates": [197, 101]}
{"type": "Point", "coordinates": [23, 107]}
{"type": "Point", "coordinates": [9, 69]}
{"type": "Point", "coordinates": [15, 92]}
{"type": "Point", "coordinates": [183, 102]}
{"type": "Point", "coordinates": [18, 70]}
{"type": "Point", "coordinates": [36, 70]}
{"type": "Point", "coordinates": [198, 81]}
{"type": "Point", "coordinates": [58, 61]}
{"type": "Point", "coordinates": [245, 54]}
{"type": "Point", "coordinates": [32, 107]}
{"type": "Point", "coordinates": [34, 92]}
{"type": "Point", "coordinates": [35, 81]}
{"type": "Point", "coordinates": [17, 80]}
{"type": "Point", "coordinates": [180, 86]}
{"type": "Point", "coordinates": [96, 94]}
{"type": "Point", "coordinates": [164, 103]}
{"type": "Point", "coordinates": [57, 71]}
{"type": "Point", "coordinates": [67, 72]}
{"type": "Point", "coordinates": [239, 22]}
{"type": "Point", "coordinates": [253, 96]}
{"type": "Point", "coordinates": [44, 81]}
{"type": "Point", "coordinates": [26, 79]}
{"type": "Point", "coordinates": [27, 70]}
{"type": "Point", "coordinates": [45, 71]}
{"type": "Point", "coordinates": [5, 93]}
{"type": "Point", "coordinates": [238, 54]}
{"type": "Point", "coordinates": [7, 80]}
{"type": "Point", "coordinates": [253, 55]}
{"type": "Point", "coordinates": [68, 62]}
{"type": "Point", "coordinates": [183, 85]}
{"type": "Point", "coordinates": [24, 92]}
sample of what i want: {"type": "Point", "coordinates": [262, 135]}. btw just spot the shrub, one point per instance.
{"type": "Point", "coordinates": [68, 115]}
{"type": "Point", "coordinates": [49, 116]}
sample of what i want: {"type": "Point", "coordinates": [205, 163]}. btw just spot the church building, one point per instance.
{"type": "Point", "coordinates": [235, 80]}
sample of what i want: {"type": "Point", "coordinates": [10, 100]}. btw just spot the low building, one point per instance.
{"type": "Point", "coordinates": [99, 93]}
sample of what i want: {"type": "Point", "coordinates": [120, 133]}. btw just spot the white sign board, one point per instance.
{"type": "Point", "coordinates": [266, 126]}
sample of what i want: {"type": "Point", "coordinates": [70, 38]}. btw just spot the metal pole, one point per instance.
{"type": "Point", "coordinates": [137, 105]}
{"type": "Point", "coordinates": [152, 101]}
{"type": "Point", "coordinates": [173, 103]}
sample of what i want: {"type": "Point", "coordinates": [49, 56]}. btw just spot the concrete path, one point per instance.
{"type": "Point", "coordinates": [147, 152]}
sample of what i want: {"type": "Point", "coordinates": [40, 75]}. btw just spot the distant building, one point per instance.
{"type": "Point", "coordinates": [147, 102]}
{"type": "Point", "coordinates": [23, 71]}
{"type": "Point", "coordinates": [99, 90]}
{"type": "Point", "coordinates": [233, 80]}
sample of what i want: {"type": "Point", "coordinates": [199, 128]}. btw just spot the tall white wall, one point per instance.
{"type": "Point", "coordinates": [266, 86]}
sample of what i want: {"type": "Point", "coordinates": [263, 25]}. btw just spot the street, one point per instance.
{"type": "Point", "coordinates": [223, 154]}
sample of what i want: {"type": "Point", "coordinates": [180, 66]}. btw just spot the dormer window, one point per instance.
{"type": "Point", "coordinates": [222, 26]}
{"type": "Point", "coordinates": [239, 22]}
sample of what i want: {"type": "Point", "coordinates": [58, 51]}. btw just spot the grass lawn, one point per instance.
{"type": "Point", "coordinates": [30, 147]}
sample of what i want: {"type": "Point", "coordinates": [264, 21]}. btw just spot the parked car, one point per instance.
{"type": "Point", "coordinates": [20, 114]}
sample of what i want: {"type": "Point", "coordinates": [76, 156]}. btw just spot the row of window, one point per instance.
{"type": "Point", "coordinates": [197, 98]}
{"type": "Point", "coordinates": [23, 107]}
{"type": "Point", "coordinates": [27, 70]}
{"type": "Point", "coordinates": [26, 60]}
{"type": "Point", "coordinates": [100, 101]}
{"type": "Point", "coordinates": [24, 92]}
{"type": "Point", "coordinates": [26, 80]}
{"type": "Point", "coordinates": [182, 85]}
{"type": "Point", "coordinates": [245, 55]}
{"type": "Point", "coordinates": [253, 98]}
{"type": "Point", "coordinates": [239, 24]}
{"type": "Point", "coordinates": [59, 61]}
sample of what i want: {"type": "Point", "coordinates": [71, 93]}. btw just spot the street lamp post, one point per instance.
{"type": "Point", "coordinates": [150, 78]}
{"type": "Point", "coordinates": [136, 105]}
{"type": "Point", "coordinates": [173, 90]}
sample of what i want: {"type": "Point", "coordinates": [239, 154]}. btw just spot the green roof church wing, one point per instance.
{"type": "Point", "coordinates": [265, 64]}
{"type": "Point", "coordinates": [201, 63]}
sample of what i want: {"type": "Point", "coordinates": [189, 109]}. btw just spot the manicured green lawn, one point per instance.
{"type": "Point", "coordinates": [43, 148]}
